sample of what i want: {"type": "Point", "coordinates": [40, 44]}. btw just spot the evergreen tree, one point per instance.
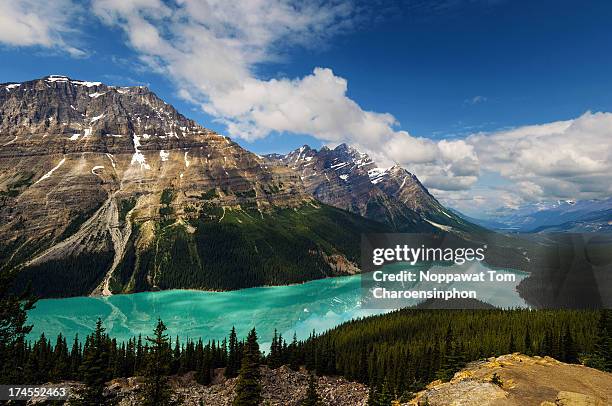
{"type": "Point", "coordinates": [130, 357]}
{"type": "Point", "coordinates": [364, 375]}
{"type": "Point", "coordinates": [294, 358]}
{"type": "Point", "coordinates": [94, 368]}
{"type": "Point", "coordinates": [248, 388]}
{"type": "Point", "coordinates": [453, 357]}
{"type": "Point", "coordinates": [233, 356]}
{"type": "Point", "coordinates": [512, 344]}
{"type": "Point", "coordinates": [13, 328]}
{"type": "Point", "coordinates": [310, 353]}
{"type": "Point", "coordinates": [203, 364]}
{"type": "Point", "coordinates": [312, 396]}
{"type": "Point", "coordinates": [275, 360]}
{"type": "Point", "coordinates": [547, 344]}
{"type": "Point", "coordinates": [139, 359]}
{"type": "Point", "coordinates": [176, 357]}
{"type": "Point", "coordinates": [528, 341]}
{"type": "Point", "coordinates": [61, 363]}
{"type": "Point", "coordinates": [75, 358]}
{"type": "Point", "coordinates": [555, 351]}
{"type": "Point", "coordinates": [602, 354]}
{"type": "Point", "coordinates": [569, 347]}
{"type": "Point", "coordinates": [384, 398]}
{"type": "Point", "coordinates": [156, 389]}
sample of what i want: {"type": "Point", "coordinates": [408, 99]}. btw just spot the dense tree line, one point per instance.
{"type": "Point", "coordinates": [395, 354]}
{"type": "Point", "coordinates": [398, 353]}
{"type": "Point", "coordinates": [276, 247]}
{"type": "Point", "coordinates": [271, 248]}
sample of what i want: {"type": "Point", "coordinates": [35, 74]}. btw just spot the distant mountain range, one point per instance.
{"type": "Point", "coordinates": [561, 216]}
{"type": "Point", "coordinates": [348, 179]}
{"type": "Point", "coordinates": [107, 189]}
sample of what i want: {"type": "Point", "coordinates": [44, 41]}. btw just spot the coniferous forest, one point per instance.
{"type": "Point", "coordinates": [395, 354]}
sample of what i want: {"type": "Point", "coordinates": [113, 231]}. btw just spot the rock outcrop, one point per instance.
{"type": "Point", "coordinates": [523, 381]}
{"type": "Point", "coordinates": [280, 387]}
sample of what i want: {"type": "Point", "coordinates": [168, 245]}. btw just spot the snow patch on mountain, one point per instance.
{"type": "Point", "coordinates": [138, 157]}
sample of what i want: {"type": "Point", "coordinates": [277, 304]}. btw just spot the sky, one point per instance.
{"type": "Point", "coordinates": [493, 104]}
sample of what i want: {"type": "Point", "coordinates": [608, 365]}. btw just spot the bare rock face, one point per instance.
{"type": "Point", "coordinates": [90, 170]}
{"type": "Point", "coordinates": [346, 178]}
{"type": "Point", "coordinates": [523, 380]}
{"type": "Point", "coordinates": [280, 387]}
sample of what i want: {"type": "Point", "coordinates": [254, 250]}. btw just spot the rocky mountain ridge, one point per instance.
{"type": "Point", "coordinates": [110, 189]}
{"type": "Point", "coordinates": [348, 179]}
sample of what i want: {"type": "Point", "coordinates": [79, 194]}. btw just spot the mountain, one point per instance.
{"type": "Point", "coordinates": [109, 189]}
{"type": "Point", "coordinates": [348, 179]}
{"type": "Point", "coordinates": [560, 216]}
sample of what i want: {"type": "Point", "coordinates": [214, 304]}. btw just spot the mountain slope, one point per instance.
{"type": "Point", "coordinates": [109, 189]}
{"type": "Point", "coordinates": [346, 178]}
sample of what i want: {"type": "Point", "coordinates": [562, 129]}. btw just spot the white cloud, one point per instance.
{"type": "Point", "coordinates": [212, 50]}
{"type": "Point", "coordinates": [560, 160]}
{"type": "Point", "coordinates": [42, 23]}
{"type": "Point", "coordinates": [475, 100]}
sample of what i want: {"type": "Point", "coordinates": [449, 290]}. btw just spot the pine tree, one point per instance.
{"type": "Point", "coordinates": [61, 363]}
{"type": "Point", "coordinates": [569, 347]}
{"type": "Point", "coordinates": [156, 389]}
{"type": "Point", "coordinates": [94, 368]}
{"type": "Point", "coordinates": [274, 360]}
{"type": "Point", "coordinates": [233, 356]}
{"type": "Point", "coordinates": [130, 357]}
{"type": "Point", "coordinates": [384, 398]}
{"type": "Point", "coordinates": [364, 375]}
{"type": "Point", "coordinates": [602, 354]}
{"type": "Point", "coordinates": [453, 357]}
{"type": "Point", "coordinates": [203, 364]}
{"type": "Point", "coordinates": [527, 344]}
{"type": "Point", "coordinates": [13, 328]}
{"type": "Point", "coordinates": [248, 388]}
{"type": "Point", "coordinates": [75, 358]}
{"type": "Point", "coordinates": [512, 344]}
{"type": "Point", "coordinates": [294, 358]}
{"type": "Point", "coordinates": [310, 353]}
{"type": "Point", "coordinates": [312, 396]}
{"type": "Point", "coordinates": [555, 351]}
{"type": "Point", "coordinates": [547, 344]}
{"type": "Point", "coordinates": [139, 360]}
{"type": "Point", "coordinates": [176, 357]}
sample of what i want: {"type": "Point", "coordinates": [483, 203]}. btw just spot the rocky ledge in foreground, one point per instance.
{"type": "Point", "coordinates": [523, 381]}
{"type": "Point", "coordinates": [280, 387]}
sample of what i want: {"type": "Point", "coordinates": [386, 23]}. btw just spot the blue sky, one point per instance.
{"type": "Point", "coordinates": [434, 73]}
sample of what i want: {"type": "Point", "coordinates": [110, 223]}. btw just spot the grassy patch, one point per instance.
{"type": "Point", "coordinates": [125, 205]}
{"type": "Point", "coordinates": [209, 195]}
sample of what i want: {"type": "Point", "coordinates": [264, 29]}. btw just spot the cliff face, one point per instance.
{"type": "Point", "coordinates": [346, 178]}
{"type": "Point", "coordinates": [92, 175]}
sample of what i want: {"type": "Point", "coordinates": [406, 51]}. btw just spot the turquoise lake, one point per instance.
{"type": "Point", "coordinates": [318, 305]}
